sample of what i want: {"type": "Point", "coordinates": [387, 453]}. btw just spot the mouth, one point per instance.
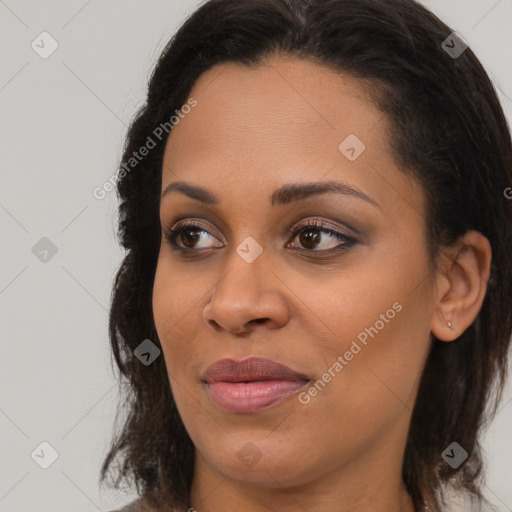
{"type": "Point", "coordinates": [251, 384]}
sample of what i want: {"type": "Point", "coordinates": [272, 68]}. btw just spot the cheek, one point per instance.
{"type": "Point", "coordinates": [176, 314]}
{"type": "Point", "coordinates": [377, 326]}
{"type": "Point", "coordinates": [379, 378]}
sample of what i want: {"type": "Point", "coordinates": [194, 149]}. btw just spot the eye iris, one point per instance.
{"type": "Point", "coordinates": [308, 237]}
{"type": "Point", "coordinates": [194, 237]}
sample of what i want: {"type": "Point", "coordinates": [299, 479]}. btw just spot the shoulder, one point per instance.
{"type": "Point", "coordinates": [139, 505]}
{"type": "Point", "coordinates": [134, 506]}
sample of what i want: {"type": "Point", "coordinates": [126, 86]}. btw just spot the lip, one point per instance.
{"type": "Point", "coordinates": [250, 384]}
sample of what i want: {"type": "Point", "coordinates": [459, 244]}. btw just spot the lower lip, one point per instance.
{"type": "Point", "coordinates": [251, 396]}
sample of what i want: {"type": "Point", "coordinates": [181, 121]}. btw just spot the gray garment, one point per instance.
{"type": "Point", "coordinates": [137, 506]}
{"type": "Point", "coordinates": [133, 506]}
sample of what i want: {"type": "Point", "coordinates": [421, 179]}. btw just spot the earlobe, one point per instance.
{"type": "Point", "coordinates": [461, 286]}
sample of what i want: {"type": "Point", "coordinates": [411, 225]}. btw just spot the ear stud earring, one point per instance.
{"type": "Point", "coordinates": [449, 324]}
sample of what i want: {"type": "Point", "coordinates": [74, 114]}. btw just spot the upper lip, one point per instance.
{"type": "Point", "coordinates": [251, 369]}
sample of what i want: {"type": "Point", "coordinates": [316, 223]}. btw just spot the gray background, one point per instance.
{"type": "Point", "coordinates": [62, 125]}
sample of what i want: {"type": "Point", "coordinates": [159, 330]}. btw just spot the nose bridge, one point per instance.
{"type": "Point", "coordinates": [245, 271]}
{"type": "Point", "coordinates": [248, 244]}
{"type": "Point", "coordinates": [247, 291]}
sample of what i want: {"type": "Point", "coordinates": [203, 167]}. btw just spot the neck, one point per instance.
{"type": "Point", "coordinates": [338, 491]}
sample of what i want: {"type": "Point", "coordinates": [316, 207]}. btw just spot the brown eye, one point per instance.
{"type": "Point", "coordinates": [311, 236]}
{"type": "Point", "coordinates": [186, 236]}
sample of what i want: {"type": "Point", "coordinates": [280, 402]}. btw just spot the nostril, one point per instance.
{"type": "Point", "coordinates": [259, 320]}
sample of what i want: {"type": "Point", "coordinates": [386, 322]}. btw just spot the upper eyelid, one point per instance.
{"type": "Point", "coordinates": [323, 225]}
{"type": "Point", "coordinates": [187, 222]}
{"type": "Point", "coordinates": [188, 219]}
{"type": "Point", "coordinates": [345, 221]}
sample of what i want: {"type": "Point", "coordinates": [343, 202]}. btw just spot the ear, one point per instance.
{"type": "Point", "coordinates": [461, 285]}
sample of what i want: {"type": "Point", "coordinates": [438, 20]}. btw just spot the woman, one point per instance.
{"type": "Point", "coordinates": [315, 304]}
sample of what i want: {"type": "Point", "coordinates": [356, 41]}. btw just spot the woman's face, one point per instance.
{"type": "Point", "coordinates": [346, 304]}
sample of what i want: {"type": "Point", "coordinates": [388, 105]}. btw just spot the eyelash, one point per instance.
{"type": "Point", "coordinates": [317, 225]}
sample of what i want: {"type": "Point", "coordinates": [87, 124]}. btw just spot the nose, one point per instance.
{"type": "Point", "coordinates": [248, 295]}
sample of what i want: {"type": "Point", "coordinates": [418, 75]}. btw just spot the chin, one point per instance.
{"type": "Point", "coordinates": [258, 460]}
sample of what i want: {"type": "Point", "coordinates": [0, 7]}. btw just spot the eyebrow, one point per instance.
{"type": "Point", "coordinates": [282, 196]}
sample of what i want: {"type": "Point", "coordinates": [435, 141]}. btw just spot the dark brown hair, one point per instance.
{"type": "Point", "coordinates": [448, 131]}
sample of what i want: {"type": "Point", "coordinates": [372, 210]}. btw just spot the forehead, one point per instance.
{"type": "Point", "coordinates": [286, 120]}
{"type": "Point", "coordinates": [287, 101]}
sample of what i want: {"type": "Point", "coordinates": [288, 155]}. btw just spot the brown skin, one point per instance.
{"type": "Point", "coordinates": [252, 131]}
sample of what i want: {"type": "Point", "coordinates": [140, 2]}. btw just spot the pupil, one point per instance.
{"type": "Point", "coordinates": [308, 239]}
{"type": "Point", "coordinates": [194, 237]}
